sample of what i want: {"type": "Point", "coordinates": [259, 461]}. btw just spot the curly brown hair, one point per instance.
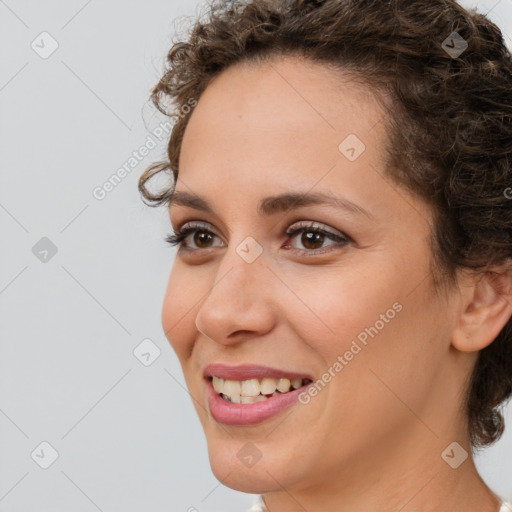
{"type": "Point", "coordinates": [449, 124]}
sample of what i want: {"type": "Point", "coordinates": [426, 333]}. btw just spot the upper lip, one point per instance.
{"type": "Point", "coordinates": [249, 371]}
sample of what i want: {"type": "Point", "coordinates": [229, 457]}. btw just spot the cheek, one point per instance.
{"type": "Point", "coordinates": [370, 317]}
{"type": "Point", "coordinates": [178, 311]}
{"type": "Point", "coordinates": [386, 340]}
{"type": "Point", "coordinates": [334, 306]}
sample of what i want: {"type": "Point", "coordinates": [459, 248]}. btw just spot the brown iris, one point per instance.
{"type": "Point", "coordinates": [310, 237]}
{"type": "Point", "coordinates": [203, 237]}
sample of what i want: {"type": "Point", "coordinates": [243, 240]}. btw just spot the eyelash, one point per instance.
{"type": "Point", "coordinates": [177, 239]}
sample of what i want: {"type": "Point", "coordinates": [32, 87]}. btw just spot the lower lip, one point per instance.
{"type": "Point", "coordinates": [230, 413]}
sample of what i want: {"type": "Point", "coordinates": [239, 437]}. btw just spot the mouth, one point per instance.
{"type": "Point", "coordinates": [252, 401]}
{"type": "Point", "coordinates": [248, 384]}
{"type": "Point", "coordinates": [254, 390]}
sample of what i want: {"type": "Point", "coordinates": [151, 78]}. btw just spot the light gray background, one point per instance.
{"type": "Point", "coordinates": [127, 435]}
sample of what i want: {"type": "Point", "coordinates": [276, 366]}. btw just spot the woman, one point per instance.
{"type": "Point", "coordinates": [341, 298]}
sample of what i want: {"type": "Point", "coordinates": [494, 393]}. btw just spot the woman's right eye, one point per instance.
{"type": "Point", "coordinates": [201, 236]}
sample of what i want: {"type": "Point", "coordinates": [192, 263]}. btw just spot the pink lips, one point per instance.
{"type": "Point", "coordinates": [229, 413]}
{"type": "Point", "coordinates": [248, 414]}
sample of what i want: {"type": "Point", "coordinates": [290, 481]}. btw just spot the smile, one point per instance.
{"type": "Point", "coordinates": [254, 390]}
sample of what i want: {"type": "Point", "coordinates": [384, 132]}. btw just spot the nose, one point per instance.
{"type": "Point", "coordinates": [239, 301]}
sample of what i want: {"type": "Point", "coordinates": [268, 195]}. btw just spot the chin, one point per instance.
{"type": "Point", "coordinates": [228, 466]}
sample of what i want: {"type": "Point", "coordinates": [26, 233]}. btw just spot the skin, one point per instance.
{"type": "Point", "coordinates": [372, 438]}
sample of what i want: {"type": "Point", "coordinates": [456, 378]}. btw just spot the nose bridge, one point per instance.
{"type": "Point", "coordinates": [237, 299]}
{"type": "Point", "coordinates": [242, 266]}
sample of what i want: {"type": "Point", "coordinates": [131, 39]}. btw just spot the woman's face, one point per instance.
{"type": "Point", "coordinates": [359, 309]}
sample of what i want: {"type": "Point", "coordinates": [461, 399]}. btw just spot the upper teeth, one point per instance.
{"type": "Point", "coordinates": [253, 387]}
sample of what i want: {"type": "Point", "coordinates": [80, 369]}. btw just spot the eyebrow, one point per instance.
{"type": "Point", "coordinates": [272, 205]}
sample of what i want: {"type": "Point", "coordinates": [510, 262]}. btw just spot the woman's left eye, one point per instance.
{"type": "Point", "coordinates": [313, 238]}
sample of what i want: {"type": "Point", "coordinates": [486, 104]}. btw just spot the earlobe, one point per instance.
{"type": "Point", "coordinates": [485, 309]}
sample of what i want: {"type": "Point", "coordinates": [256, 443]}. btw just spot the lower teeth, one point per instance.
{"type": "Point", "coordinates": [228, 399]}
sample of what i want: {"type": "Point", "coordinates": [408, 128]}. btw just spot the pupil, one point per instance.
{"type": "Point", "coordinates": [309, 238]}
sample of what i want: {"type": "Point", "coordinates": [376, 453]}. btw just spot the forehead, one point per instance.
{"type": "Point", "coordinates": [262, 129]}
{"type": "Point", "coordinates": [285, 94]}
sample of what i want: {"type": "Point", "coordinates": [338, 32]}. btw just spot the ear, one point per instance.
{"type": "Point", "coordinates": [486, 307]}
